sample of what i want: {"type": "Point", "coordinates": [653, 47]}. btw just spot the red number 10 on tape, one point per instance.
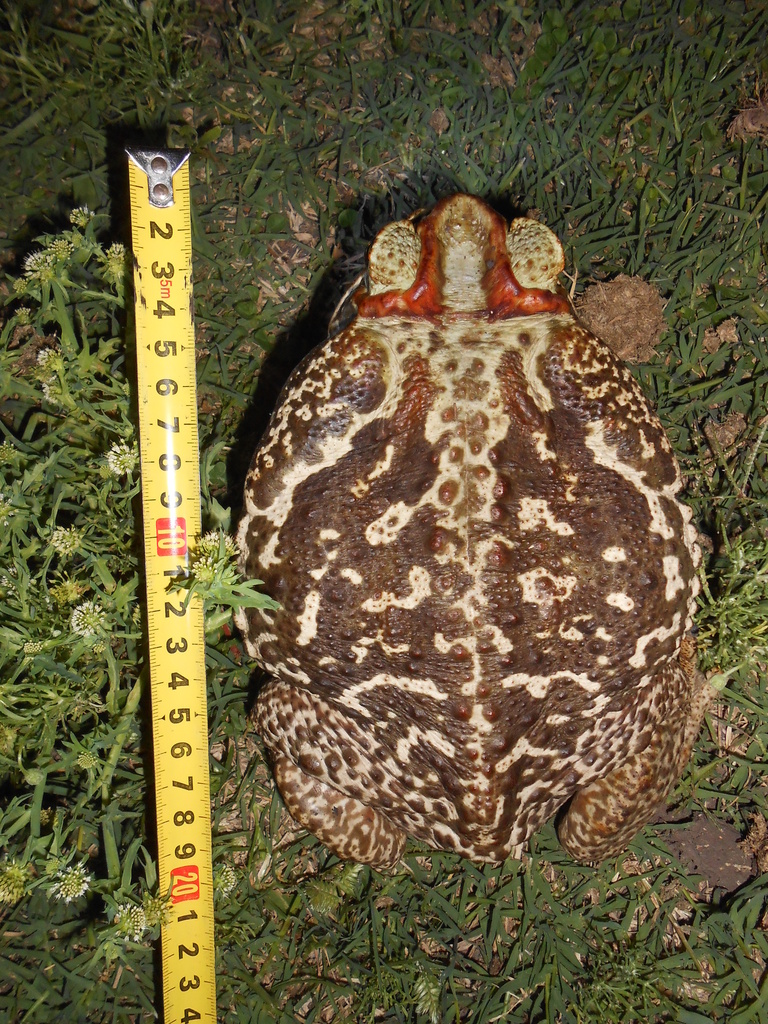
{"type": "Point", "coordinates": [171, 536]}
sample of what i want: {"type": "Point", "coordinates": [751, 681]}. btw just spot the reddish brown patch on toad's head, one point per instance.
{"type": "Point", "coordinates": [453, 262]}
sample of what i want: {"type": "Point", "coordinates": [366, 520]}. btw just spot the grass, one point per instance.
{"type": "Point", "coordinates": [311, 127]}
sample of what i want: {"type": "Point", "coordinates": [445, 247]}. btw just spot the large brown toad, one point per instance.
{"type": "Point", "coordinates": [468, 513]}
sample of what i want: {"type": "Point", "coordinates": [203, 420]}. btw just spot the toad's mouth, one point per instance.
{"type": "Point", "coordinates": [464, 270]}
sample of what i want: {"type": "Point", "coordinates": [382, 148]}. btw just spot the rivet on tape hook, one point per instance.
{"type": "Point", "coordinates": [159, 165]}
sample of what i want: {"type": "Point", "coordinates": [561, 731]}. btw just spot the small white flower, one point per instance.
{"type": "Point", "coordinates": [49, 365]}
{"type": "Point", "coordinates": [65, 540]}
{"type": "Point", "coordinates": [13, 881]}
{"type": "Point", "coordinates": [225, 880]}
{"type": "Point", "coordinates": [71, 883]}
{"type": "Point", "coordinates": [156, 910]}
{"type": "Point", "coordinates": [6, 510]}
{"type": "Point", "coordinates": [39, 265]}
{"type": "Point", "coordinates": [131, 921]}
{"type": "Point", "coordinates": [87, 760]}
{"type": "Point", "coordinates": [9, 579]}
{"type": "Point", "coordinates": [115, 264]}
{"type": "Point", "coordinates": [208, 566]}
{"type": "Point", "coordinates": [209, 544]}
{"type": "Point", "coordinates": [80, 216]}
{"type": "Point", "coordinates": [60, 248]}
{"type": "Point", "coordinates": [122, 458]}
{"type": "Point", "coordinates": [23, 316]}
{"type": "Point", "coordinates": [66, 591]}
{"type": "Point", "coordinates": [32, 647]}
{"type": "Point", "coordinates": [51, 393]}
{"type": "Point", "coordinates": [88, 619]}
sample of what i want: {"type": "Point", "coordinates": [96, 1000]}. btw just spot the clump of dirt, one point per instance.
{"type": "Point", "coordinates": [723, 435]}
{"type": "Point", "coordinates": [751, 121]}
{"type": "Point", "coordinates": [438, 121]}
{"type": "Point", "coordinates": [715, 850]}
{"type": "Point", "coordinates": [627, 314]}
{"type": "Point", "coordinates": [725, 333]}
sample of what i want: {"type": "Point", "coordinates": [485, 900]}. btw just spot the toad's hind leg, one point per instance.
{"type": "Point", "coordinates": [603, 817]}
{"type": "Point", "coordinates": [351, 829]}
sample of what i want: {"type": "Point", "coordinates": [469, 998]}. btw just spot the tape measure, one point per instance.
{"type": "Point", "coordinates": [170, 487]}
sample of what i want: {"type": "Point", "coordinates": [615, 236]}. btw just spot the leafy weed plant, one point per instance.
{"type": "Point", "coordinates": [310, 127]}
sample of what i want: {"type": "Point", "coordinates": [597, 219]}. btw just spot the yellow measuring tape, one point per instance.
{"type": "Point", "coordinates": [170, 484]}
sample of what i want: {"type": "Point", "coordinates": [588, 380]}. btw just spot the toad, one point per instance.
{"type": "Point", "coordinates": [468, 513]}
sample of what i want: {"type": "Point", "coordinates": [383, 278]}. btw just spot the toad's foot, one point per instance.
{"type": "Point", "coordinates": [603, 817]}
{"type": "Point", "coordinates": [348, 827]}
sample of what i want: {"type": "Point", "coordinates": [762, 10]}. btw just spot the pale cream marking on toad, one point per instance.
{"type": "Point", "coordinates": [603, 634]}
{"type": "Point", "coordinates": [463, 271]}
{"type": "Point", "coordinates": [402, 684]}
{"type": "Point", "coordinates": [544, 453]}
{"type": "Point", "coordinates": [533, 593]}
{"type": "Point", "coordinates": [540, 343]}
{"type": "Point", "coordinates": [524, 748]}
{"type": "Point", "coordinates": [639, 659]}
{"type": "Point", "coordinates": [571, 633]}
{"type": "Point", "coordinates": [360, 653]}
{"type": "Point", "coordinates": [495, 635]}
{"type": "Point", "coordinates": [361, 487]}
{"type": "Point", "coordinates": [614, 554]}
{"type": "Point", "coordinates": [649, 448]}
{"type": "Point", "coordinates": [324, 412]}
{"type": "Point", "coordinates": [675, 581]}
{"type": "Point", "coordinates": [443, 645]}
{"type": "Point", "coordinates": [419, 580]}
{"type": "Point", "coordinates": [572, 481]}
{"type": "Point", "coordinates": [383, 465]}
{"type": "Point", "coordinates": [385, 529]}
{"type": "Point", "coordinates": [598, 391]}
{"type": "Point", "coordinates": [329, 535]}
{"type": "Point", "coordinates": [281, 669]}
{"type": "Point", "coordinates": [360, 650]}
{"type": "Point", "coordinates": [317, 574]}
{"type": "Point", "coordinates": [308, 619]}
{"type": "Point", "coordinates": [457, 460]}
{"type": "Point", "coordinates": [535, 511]}
{"type": "Point", "coordinates": [392, 648]}
{"type": "Point", "coordinates": [607, 456]}
{"type": "Point", "coordinates": [265, 638]}
{"type": "Point", "coordinates": [537, 686]}
{"type": "Point", "coordinates": [352, 575]}
{"type": "Point", "coordinates": [621, 601]}
{"type": "Point", "coordinates": [600, 702]}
